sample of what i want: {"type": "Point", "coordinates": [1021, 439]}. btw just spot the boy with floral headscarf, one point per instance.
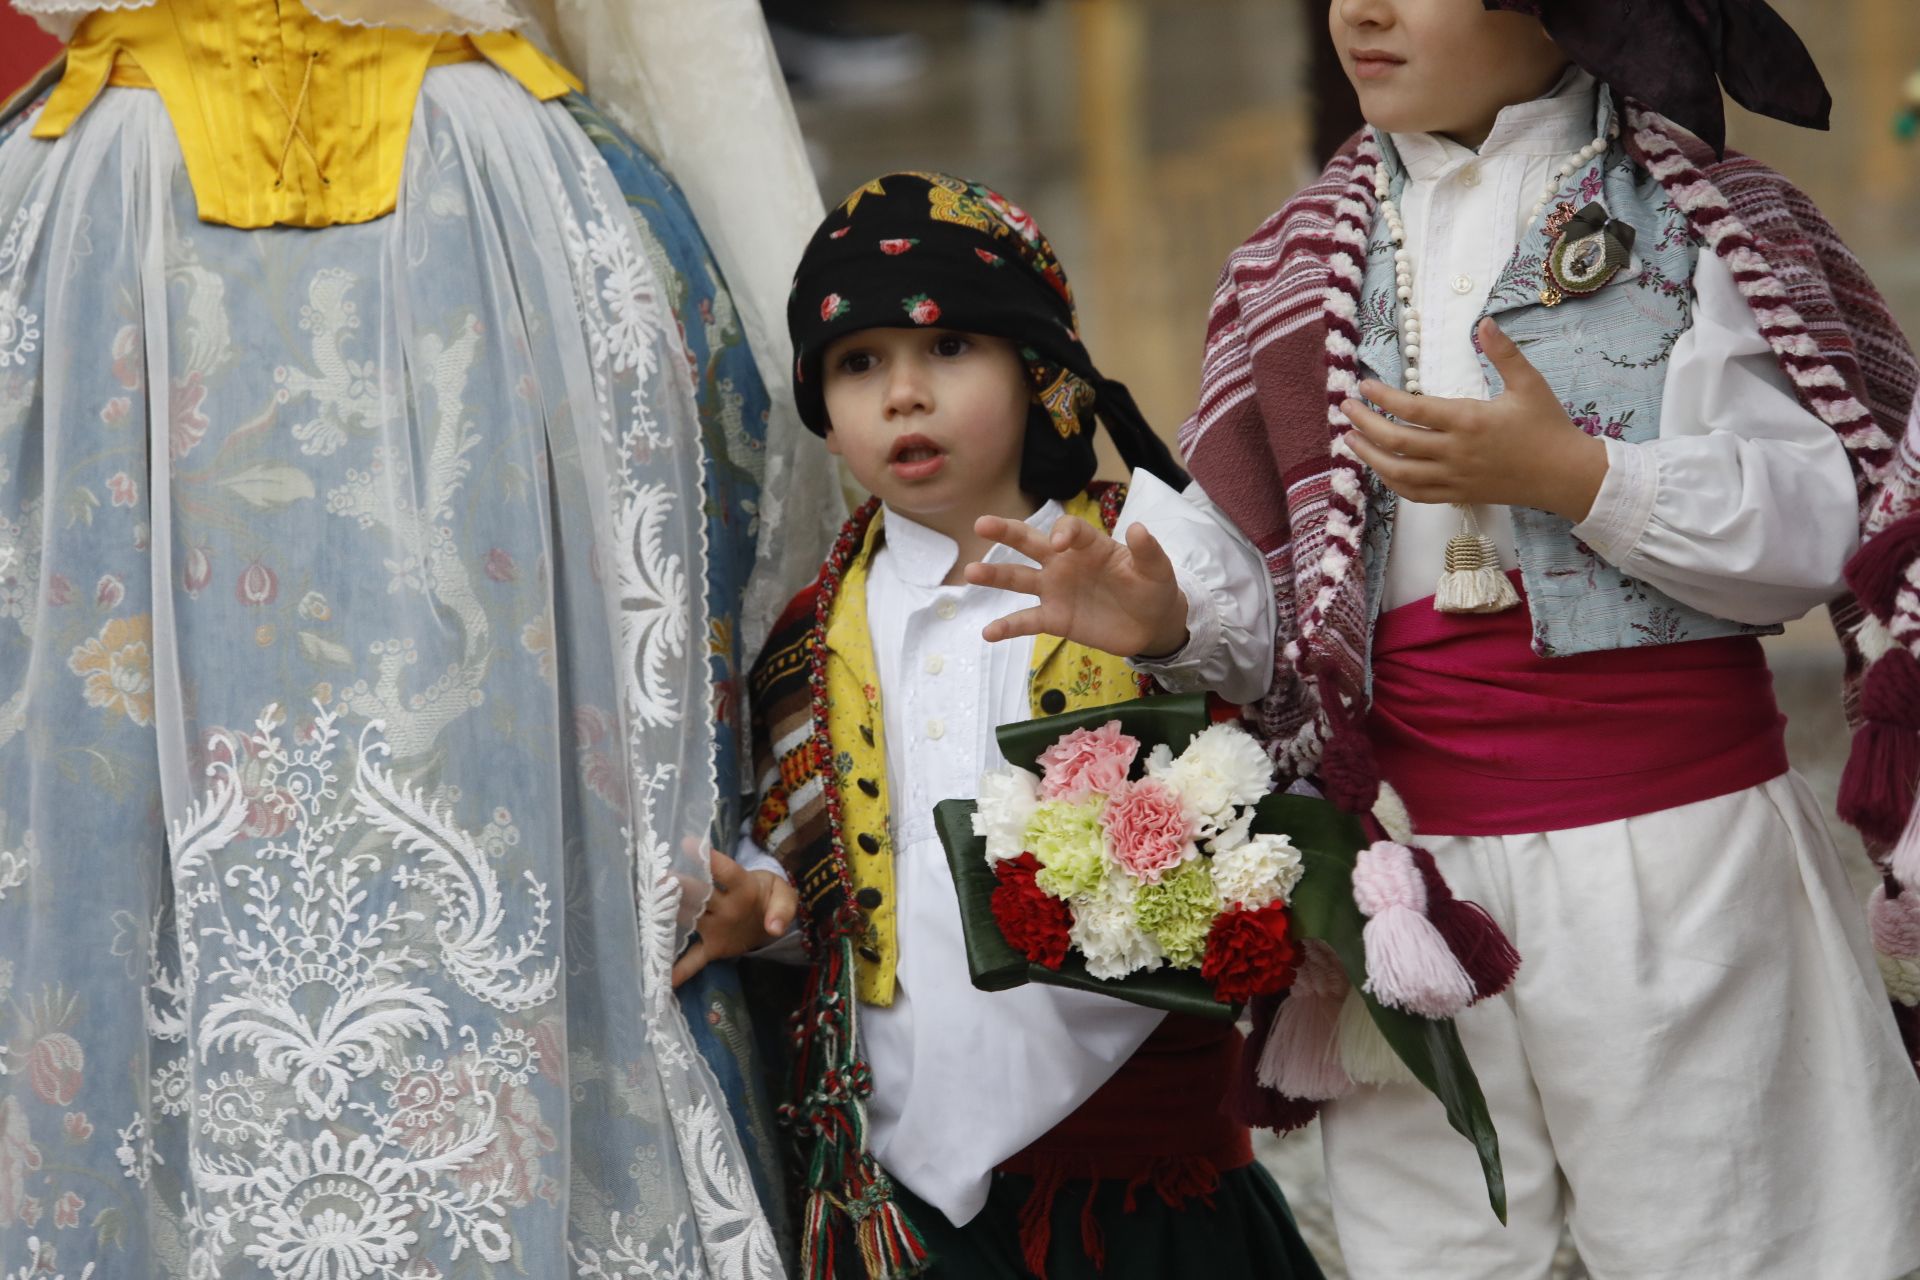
{"type": "Point", "coordinates": [1539, 413]}
{"type": "Point", "coordinates": [1038, 1132]}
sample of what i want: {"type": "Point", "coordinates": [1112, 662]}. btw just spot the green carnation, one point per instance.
{"type": "Point", "coordinates": [1070, 845]}
{"type": "Point", "coordinates": [1179, 912]}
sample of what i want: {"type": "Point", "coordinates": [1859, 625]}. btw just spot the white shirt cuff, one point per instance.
{"type": "Point", "coordinates": [1624, 506]}
{"type": "Point", "coordinates": [1203, 638]}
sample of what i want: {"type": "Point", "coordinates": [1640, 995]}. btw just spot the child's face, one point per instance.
{"type": "Point", "coordinates": [929, 420]}
{"type": "Point", "coordinates": [1441, 66]}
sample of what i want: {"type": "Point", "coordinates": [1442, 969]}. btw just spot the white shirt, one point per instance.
{"type": "Point", "coordinates": [964, 1079]}
{"type": "Point", "coordinates": [1744, 507]}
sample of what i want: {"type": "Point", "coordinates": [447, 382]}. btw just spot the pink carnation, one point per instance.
{"type": "Point", "coordinates": [1087, 761]}
{"type": "Point", "coordinates": [1147, 829]}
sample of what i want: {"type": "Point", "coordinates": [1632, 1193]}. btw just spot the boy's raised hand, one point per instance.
{"type": "Point", "coordinates": [1519, 448]}
{"type": "Point", "coordinates": [1093, 590]}
{"type": "Point", "coordinates": [748, 909]}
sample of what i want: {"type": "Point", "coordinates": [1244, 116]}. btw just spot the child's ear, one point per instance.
{"type": "Point", "coordinates": [833, 441]}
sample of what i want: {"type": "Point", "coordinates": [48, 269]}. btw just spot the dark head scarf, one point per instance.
{"type": "Point", "coordinates": [1675, 55]}
{"type": "Point", "coordinates": [909, 250]}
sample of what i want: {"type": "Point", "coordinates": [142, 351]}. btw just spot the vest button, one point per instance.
{"type": "Point", "coordinates": [1053, 702]}
{"type": "Point", "coordinates": [869, 787]}
{"type": "Point", "coordinates": [869, 899]}
{"type": "Point", "coordinates": [870, 955]}
{"type": "Point", "coordinates": [869, 842]}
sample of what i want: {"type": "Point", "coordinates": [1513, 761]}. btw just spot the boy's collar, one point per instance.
{"type": "Point", "coordinates": [1574, 112]}
{"type": "Point", "coordinates": [924, 557]}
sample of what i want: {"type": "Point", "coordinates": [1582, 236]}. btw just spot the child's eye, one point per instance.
{"type": "Point", "coordinates": [950, 345]}
{"type": "Point", "coordinates": [856, 362]}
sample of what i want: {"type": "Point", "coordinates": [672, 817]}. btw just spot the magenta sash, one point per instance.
{"type": "Point", "coordinates": [1481, 736]}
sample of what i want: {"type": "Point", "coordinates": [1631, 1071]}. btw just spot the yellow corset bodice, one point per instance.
{"type": "Point", "coordinates": [282, 117]}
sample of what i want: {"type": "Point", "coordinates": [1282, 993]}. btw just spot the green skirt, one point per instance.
{"type": "Point", "coordinates": [1247, 1234]}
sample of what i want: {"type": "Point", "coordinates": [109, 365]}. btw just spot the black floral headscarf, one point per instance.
{"type": "Point", "coordinates": [909, 250]}
{"type": "Point", "coordinates": [1676, 55]}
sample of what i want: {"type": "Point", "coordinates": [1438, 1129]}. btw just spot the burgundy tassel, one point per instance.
{"type": "Point", "coordinates": [1348, 773]}
{"type": "Point", "coordinates": [1471, 934]}
{"type": "Point", "coordinates": [1879, 568]}
{"type": "Point", "coordinates": [1891, 692]}
{"type": "Point", "coordinates": [1036, 1217]}
{"type": "Point", "coordinates": [1876, 789]}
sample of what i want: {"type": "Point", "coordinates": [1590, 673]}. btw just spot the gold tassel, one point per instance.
{"type": "Point", "coordinates": [1473, 581]}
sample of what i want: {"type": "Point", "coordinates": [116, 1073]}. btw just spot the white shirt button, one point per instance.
{"type": "Point", "coordinates": [1470, 176]}
{"type": "Point", "coordinates": [1463, 284]}
{"type": "Point", "coordinates": [935, 664]}
{"type": "Point", "coordinates": [946, 609]}
{"type": "Point", "coordinates": [936, 728]}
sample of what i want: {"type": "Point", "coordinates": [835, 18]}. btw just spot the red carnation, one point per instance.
{"type": "Point", "coordinates": [1034, 923]}
{"type": "Point", "coordinates": [1248, 954]}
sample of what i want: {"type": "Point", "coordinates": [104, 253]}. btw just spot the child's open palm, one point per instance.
{"type": "Point", "coordinates": [1093, 590]}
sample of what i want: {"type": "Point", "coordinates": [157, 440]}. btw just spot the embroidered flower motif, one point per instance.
{"type": "Point", "coordinates": [257, 585]}
{"type": "Point", "coordinates": [989, 257]}
{"type": "Point", "coordinates": [186, 425]}
{"type": "Point", "coordinates": [1557, 220]}
{"type": "Point", "coordinates": [1148, 830]}
{"type": "Point", "coordinates": [55, 1065]}
{"type": "Point", "coordinates": [116, 411]}
{"type": "Point", "coordinates": [1034, 923]}
{"type": "Point", "coordinates": [197, 572]}
{"type": "Point", "coordinates": [1249, 954]}
{"type": "Point", "coordinates": [59, 590]}
{"type": "Point", "coordinates": [500, 566]}
{"type": "Point", "coordinates": [314, 607]}
{"type": "Point", "coordinates": [19, 330]}
{"type": "Point", "coordinates": [123, 489]}
{"type": "Point", "coordinates": [18, 1157]}
{"type": "Point", "coordinates": [921, 309]}
{"type": "Point", "coordinates": [1087, 761]}
{"type": "Point", "coordinates": [117, 666]}
{"type": "Point", "coordinates": [841, 234]}
{"type": "Point", "coordinates": [127, 356]}
{"type": "Point", "coordinates": [894, 248]}
{"type": "Point", "coordinates": [833, 306]}
{"type": "Point", "coordinates": [77, 1127]}
{"type": "Point", "coordinates": [66, 1210]}
{"type": "Point", "coordinates": [109, 591]}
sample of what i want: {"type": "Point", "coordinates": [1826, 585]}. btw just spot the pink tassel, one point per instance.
{"type": "Point", "coordinates": [1471, 934]}
{"type": "Point", "coordinates": [1409, 965]}
{"type": "Point", "coordinates": [1879, 568]}
{"type": "Point", "coordinates": [1877, 786]}
{"type": "Point", "coordinates": [1248, 1101]}
{"type": "Point", "coordinates": [1302, 1055]}
{"type": "Point", "coordinates": [1895, 921]}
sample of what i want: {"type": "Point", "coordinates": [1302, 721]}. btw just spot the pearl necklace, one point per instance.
{"type": "Point", "coordinates": [1472, 580]}
{"type": "Point", "coordinates": [1403, 260]}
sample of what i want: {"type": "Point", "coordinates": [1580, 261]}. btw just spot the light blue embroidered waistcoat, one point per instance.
{"type": "Point", "coordinates": [1606, 355]}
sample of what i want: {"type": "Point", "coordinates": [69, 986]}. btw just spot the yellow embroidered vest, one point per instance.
{"type": "Point", "coordinates": [282, 117]}
{"type": "Point", "coordinates": [1062, 677]}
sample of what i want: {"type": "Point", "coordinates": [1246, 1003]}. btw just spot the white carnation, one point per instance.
{"type": "Point", "coordinates": [1221, 769]}
{"type": "Point", "coordinates": [1008, 798]}
{"type": "Point", "coordinates": [1106, 935]}
{"type": "Point", "coordinates": [1263, 870]}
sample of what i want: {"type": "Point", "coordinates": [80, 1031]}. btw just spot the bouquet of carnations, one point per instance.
{"type": "Point", "coordinates": [1140, 851]}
